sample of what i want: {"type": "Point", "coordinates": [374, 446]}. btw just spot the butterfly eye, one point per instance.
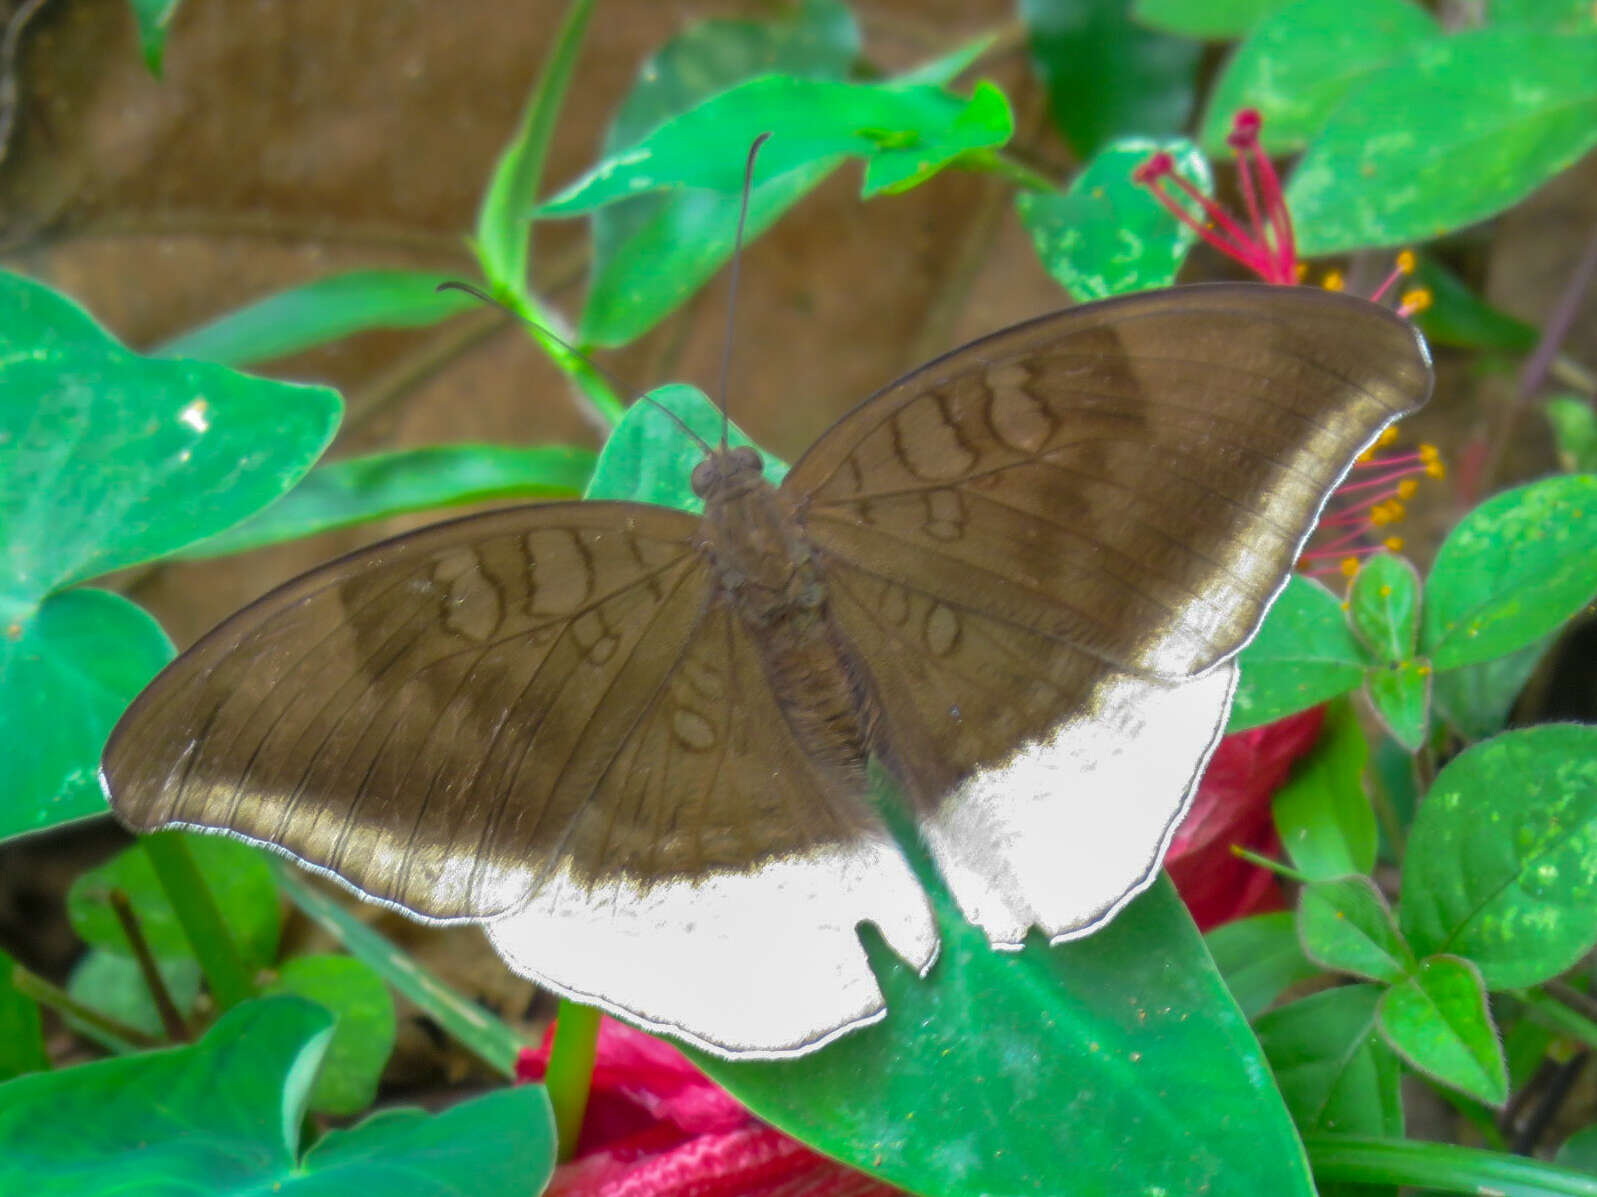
{"type": "Point", "coordinates": [746, 457]}
{"type": "Point", "coordinates": [703, 477]}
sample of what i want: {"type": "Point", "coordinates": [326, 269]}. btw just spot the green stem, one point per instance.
{"type": "Point", "coordinates": [1264, 862]}
{"type": "Point", "coordinates": [1557, 1016]}
{"type": "Point", "coordinates": [1440, 1167]}
{"type": "Point", "coordinates": [1010, 169]}
{"type": "Point", "coordinates": [201, 921]}
{"type": "Point", "coordinates": [546, 328]}
{"type": "Point", "coordinates": [36, 987]}
{"type": "Point", "coordinates": [570, 1071]}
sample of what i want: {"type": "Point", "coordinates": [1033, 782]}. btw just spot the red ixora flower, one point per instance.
{"type": "Point", "coordinates": [658, 1127]}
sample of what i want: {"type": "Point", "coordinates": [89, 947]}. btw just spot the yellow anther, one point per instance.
{"type": "Point", "coordinates": [1300, 271]}
{"type": "Point", "coordinates": [1333, 280]}
{"type": "Point", "coordinates": [1406, 261]}
{"type": "Point", "coordinates": [1387, 437]}
{"type": "Point", "coordinates": [1428, 451]}
{"type": "Point", "coordinates": [1350, 566]}
{"type": "Point", "coordinates": [1416, 300]}
{"type": "Point", "coordinates": [1406, 488]}
{"type": "Point", "coordinates": [1394, 543]}
{"type": "Point", "coordinates": [1435, 469]}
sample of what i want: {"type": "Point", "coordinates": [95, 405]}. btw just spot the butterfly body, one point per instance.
{"type": "Point", "coordinates": [631, 741]}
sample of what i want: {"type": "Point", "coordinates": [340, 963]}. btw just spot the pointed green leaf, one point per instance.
{"type": "Point", "coordinates": [1384, 606]}
{"type": "Point", "coordinates": [1579, 1151]}
{"type": "Point", "coordinates": [21, 1029]}
{"type": "Point", "coordinates": [1512, 571]}
{"type": "Point", "coordinates": [1457, 316]}
{"type": "Point", "coordinates": [1213, 20]}
{"type": "Point", "coordinates": [222, 1117]}
{"type": "Point", "coordinates": [1474, 700]}
{"type": "Point", "coordinates": [114, 985]}
{"type": "Point", "coordinates": [237, 876]}
{"type": "Point", "coordinates": [1347, 927]}
{"type": "Point", "coordinates": [318, 312]}
{"type": "Point", "coordinates": [153, 16]}
{"type": "Point", "coordinates": [1439, 1022]}
{"type": "Point", "coordinates": [1106, 76]}
{"type": "Point", "coordinates": [1333, 1069]}
{"type": "Point", "coordinates": [1305, 653]}
{"type": "Point", "coordinates": [1574, 423]}
{"type": "Point", "coordinates": [360, 489]}
{"type": "Point", "coordinates": [1260, 959]}
{"type": "Point", "coordinates": [1302, 60]}
{"type": "Point", "coordinates": [363, 1027]}
{"type": "Point", "coordinates": [1401, 696]}
{"type": "Point", "coordinates": [1106, 235]}
{"type": "Point", "coordinates": [1323, 813]}
{"type": "Point", "coordinates": [1457, 130]}
{"type": "Point", "coordinates": [1502, 856]}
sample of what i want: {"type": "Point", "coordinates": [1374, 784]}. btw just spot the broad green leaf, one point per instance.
{"type": "Point", "coordinates": [1502, 857]}
{"type": "Point", "coordinates": [1323, 813]}
{"type": "Point", "coordinates": [1457, 130]}
{"type": "Point", "coordinates": [66, 675]}
{"type": "Point", "coordinates": [504, 220]}
{"type": "Point", "coordinates": [1214, 20]}
{"type": "Point", "coordinates": [1579, 1151]}
{"type": "Point", "coordinates": [153, 17]}
{"type": "Point", "coordinates": [652, 252]}
{"type": "Point", "coordinates": [1346, 926]}
{"type": "Point", "coordinates": [1106, 235]}
{"type": "Point", "coordinates": [222, 1117]}
{"type": "Point", "coordinates": [1260, 959]}
{"type": "Point", "coordinates": [1384, 606]}
{"type": "Point", "coordinates": [1438, 1021]}
{"type": "Point", "coordinates": [108, 459]}
{"type": "Point", "coordinates": [1574, 423]}
{"type": "Point", "coordinates": [1474, 700]}
{"type": "Point", "coordinates": [1457, 316]}
{"type": "Point", "coordinates": [237, 876]}
{"type": "Point", "coordinates": [473, 1027]}
{"type": "Point", "coordinates": [906, 134]}
{"type": "Point", "coordinates": [1305, 653]}
{"type": "Point", "coordinates": [1384, 1161]}
{"type": "Point", "coordinates": [1333, 1069]}
{"type": "Point", "coordinates": [1302, 60]}
{"type": "Point", "coordinates": [361, 489]}
{"type": "Point", "coordinates": [363, 1027]}
{"type": "Point", "coordinates": [318, 312]}
{"type": "Point", "coordinates": [114, 985]}
{"type": "Point", "coordinates": [21, 1028]}
{"type": "Point", "coordinates": [650, 459]}
{"type": "Point", "coordinates": [1106, 76]}
{"type": "Point", "coordinates": [1512, 571]}
{"type": "Point", "coordinates": [1097, 1044]}
{"type": "Point", "coordinates": [1563, 16]}
{"type": "Point", "coordinates": [1401, 696]}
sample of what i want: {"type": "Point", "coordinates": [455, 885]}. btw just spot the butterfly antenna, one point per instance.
{"type": "Point", "coordinates": [732, 289]}
{"type": "Point", "coordinates": [619, 387]}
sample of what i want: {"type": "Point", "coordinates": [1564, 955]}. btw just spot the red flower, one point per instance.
{"type": "Point", "coordinates": [658, 1127]}
{"type": "Point", "coordinates": [1232, 806]}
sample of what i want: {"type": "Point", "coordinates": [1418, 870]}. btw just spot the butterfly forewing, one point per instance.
{"type": "Point", "coordinates": [1040, 540]}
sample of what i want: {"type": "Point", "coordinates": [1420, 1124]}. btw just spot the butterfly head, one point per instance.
{"type": "Point", "coordinates": [727, 472]}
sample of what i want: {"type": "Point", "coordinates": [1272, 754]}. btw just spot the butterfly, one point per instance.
{"type": "Point", "coordinates": [633, 741]}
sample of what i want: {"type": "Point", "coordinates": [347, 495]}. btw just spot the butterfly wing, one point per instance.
{"type": "Point", "coordinates": [543, 718]}
{"type": "Point", "coordinates": [1046, 548]}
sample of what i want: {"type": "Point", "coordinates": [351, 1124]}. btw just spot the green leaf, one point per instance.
{"type": "Point", "coordinates": [239, 880]}
{"type": "Point", "coordinates": [66, 675]}
{"type": "Point", "coordinates": [1107, 77]}
{"type": "Point", "coordinates": [153, 17]}
{"type": "Point", "coordinates": [1212, 20]}
{"type": "Point", "coordinates": [222, 1117]}
{"type": "Point", "coordinates": [1106, 235]}
{"type": "Point", "coordinates": [1457, 130]}
{"type": "Point", "coordinates": [1384, 606]}
{"type": "Point", "coordinates": [361, 489]}
{"type": "Point", "coordinates": [1512, 571]}
{"type": "Point", "coordinates": [108, 459]}
{"type": "Point", "coordinates": [1438, 1021]}
{"type": "Point", "coordinates": [504, 221]}
{"type": "Point", "coordinates": [1323, 813]}
{"type": "Point", "coordinates": [1302, 60]}
{"type": "Point", "coordinates": [363, 1027]}
{"type": "Point", "coordinates": [906, 134]}
{"type": "Point", "coordinates": [115, 986]}
{"type": "Point", "coordinates": [1502, 856]}
{"type": "Point", "coordinates": [650, 459]}
{"type": "Point", "coordinates": [1304, 654]}
{"type": "Point", "coordinates": [1574, 423]}
{"type": "Point", "coordinates": [1579, 1151]}
{"type": "Point", "coordinates": [1260, 959]}
{"type": "Point", "coordinates": [1441, 1167]}
{"type": "Point", "coordinates": [1460, 318]}
{"type": "Point", "coordinates": [21, 1028]}
{"type": "Point", "coordinates": [1333, 1069]}
{"type": "Point", "coordinates": [318, 312]}
{"type": "Point", "coordinates": [1346, 926]}
{"type": "Point", "coordinates": [1564, 16]}
{"type": "Point", "coordinates": [650, 253]}
{"type": "Point", "coordinates": [473, 1027]}
{"type": "Point", "coordinates": [1089, 1043]}
{"type": "Point", "coordinates": [1401, 696]}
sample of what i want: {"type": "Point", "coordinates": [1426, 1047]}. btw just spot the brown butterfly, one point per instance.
{"type": "Point", "coordinates": [633, 741]}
